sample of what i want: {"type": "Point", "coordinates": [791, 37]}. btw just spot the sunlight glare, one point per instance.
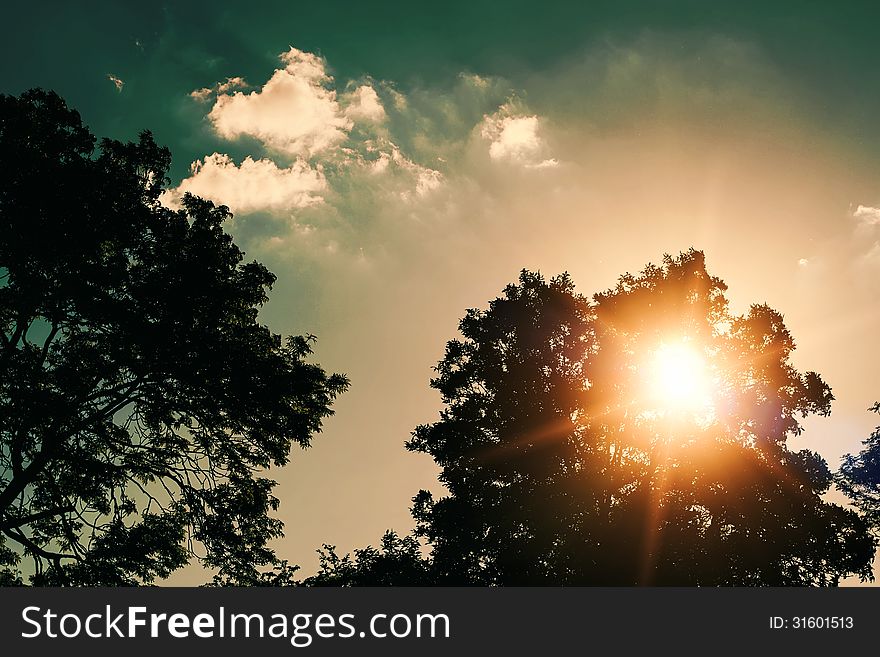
{"type": "Point", "coordinates": [679, 378]}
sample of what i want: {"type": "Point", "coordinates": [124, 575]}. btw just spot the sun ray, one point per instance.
{"type": "Point", "coordinates": [678, 382]}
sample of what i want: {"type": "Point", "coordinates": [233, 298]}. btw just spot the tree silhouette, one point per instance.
{"type": "Point", "coordinates": [139, 396]}
{"type": "Point", "coordinates": [859, 477]}
{"type": "Point", "coordinates": [569, 460]}
{"type": "Point", "coordinates": [396, 562]}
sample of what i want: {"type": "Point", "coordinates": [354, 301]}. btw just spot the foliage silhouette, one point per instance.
{"type": "Point", "coordinates": [397, 562]}
{"type": "Point", "coordinates": [561, 469]}
{"type": "Point", "coordinates": [859, 477]}
{"type": "Point", "coordinates": [139, 396]}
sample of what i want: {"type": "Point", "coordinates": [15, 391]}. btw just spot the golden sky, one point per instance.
{"type": "Point", "coordinates": [393, 178]}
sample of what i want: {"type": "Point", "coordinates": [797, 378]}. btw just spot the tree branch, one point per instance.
{"type": "Point", "coordinates": [48, 343]}
{"type": "Point", "coordinates": [14, 522]}
{"type": "Point", "coordinates": [20, 328]}
{"type": "Point", "coordinates": [17, 536]}
{"type": "Point", "coordinates": [20, 481]}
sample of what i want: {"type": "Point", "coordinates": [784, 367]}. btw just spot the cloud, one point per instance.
{"type": "Point", "coordinates": [374, 168]}
{"type": "Point", "coordinates": [118, 82]}
{"type": "Point", "coordinates": [378, 175]}
{"type": "Point", "coordinates": [363, 104]}
{"type": "Point", "coordinates": [867, 215]}
{"type": "Point", "coordinates": [516, 138]}
{"type": "Point", "coordinates": [202, 95]}
{"type": "Point", "coordinates": [205, 94]}
{"type": "Point", "coordinates": [232, 84]}
{"type": "Point", "coordinates": [255, 185]}
{"type": "Point", "coordinates": [295, 113]}
{"type": "Point", "coordinates": [865, 235]}
{"type": "Point", "coordinates": [512, 137]}
{"type": "Point", "coordinates": [418, 180]}
{"type": "Point", "coordinates": [475, 80]}
{"type": "Point", "coordinates": [298, 115]}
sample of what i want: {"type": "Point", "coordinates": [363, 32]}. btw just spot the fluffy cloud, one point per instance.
{"type": "Point", "coordinates": [378, 169]}
{"type": "Point", "coordinates": [366, 151]}
{"type": "Point", "coordinates": [255, 185]}
{"type": "Point", "coordinates": [422, 180]}
{"type": "Point", "coordinates": [232, 84]}
{"type": "Point", "coordinates": [205, 94]}
{"type": "Point", "coordinates": [363, 104]}
{"type": "Point", "coordinates": [202, 95]}
{"type": "Point", "coordinates": [867, 215]}
{"type": "Point", "coordinates": [513, 137]}
{"type": "Point", "coordinates": [295, 113]}
{"type": "Point", "coordinates": [516, 138]}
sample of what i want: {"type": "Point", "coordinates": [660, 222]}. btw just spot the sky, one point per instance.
{"type": "Point", "coordinates": [397, 163]}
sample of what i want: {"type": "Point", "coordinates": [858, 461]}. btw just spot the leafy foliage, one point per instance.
{"type": "Point", "coordinates": [561, 469]}
{"type": "Point", "coordinates": [140, 398]}
{"type": "Point", "coordinates": [859, 477]}
{"type": "Point", "coordinates": [396, 562]}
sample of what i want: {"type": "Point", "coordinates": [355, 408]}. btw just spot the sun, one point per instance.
{"type": "Point", "coordinates": [679, 379]}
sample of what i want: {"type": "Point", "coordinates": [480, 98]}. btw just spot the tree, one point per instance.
{"type": "Point", "coordinates": [640, 437]}
{"type": "Point", "coordinates": [140, 398]}
{"type": "Point", "coordinates": [859, 477]}
{"type": "Point", "coordinates": [396, 562]}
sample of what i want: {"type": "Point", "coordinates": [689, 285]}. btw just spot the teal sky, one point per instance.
{"type": "Point", "coordinates": [453, 144]}
{"type": "Point", "coordinates": [827, 52]}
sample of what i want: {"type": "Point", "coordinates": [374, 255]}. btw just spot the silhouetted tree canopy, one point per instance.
{"type": "Point", "coordinates": [140, 398]}
{"type": "Point", "coordinates": [859, 477]}
{"type": "Point", "coordinates": [564, 464]}
{"type": "Point", "coordinates": [396, 562]}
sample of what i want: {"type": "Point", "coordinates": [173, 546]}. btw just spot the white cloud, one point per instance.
{"type": "Point", "coordinates": [425, 178]}
{"type": "Point", "coordinates": [390, 171]}
{"type": "Point", "coordinates": [363, 104]}
{"type": "Point", "coordinates": [864, 234]}
{"type": "Point", "coordinates": [295, 113]}
{"type": "Point", "coordinates": [516, 138]}
{"type": "Point", "coordinates": [867, 215]}
{"type": "Point", "coordinates": [232, 84]}
{"type": "Point", "coordinates": [803, 262]}
{"type": "Point", "coordinates": [549, 163]}
{"type": "Point", "coordinates": [202, 95]}
{"type": "Point", "coordinates": [475, 80]}
{"type": "Point", "coordinates": [255, 185]}
{"type": "Point", "coordinates": [118, 82]}
{"type": "Point", "coordinates": [205, 94]}
{"type": "Point", "coordinates": [408, 155]}
{"type": "Point", "coordinates": [400, 101]}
